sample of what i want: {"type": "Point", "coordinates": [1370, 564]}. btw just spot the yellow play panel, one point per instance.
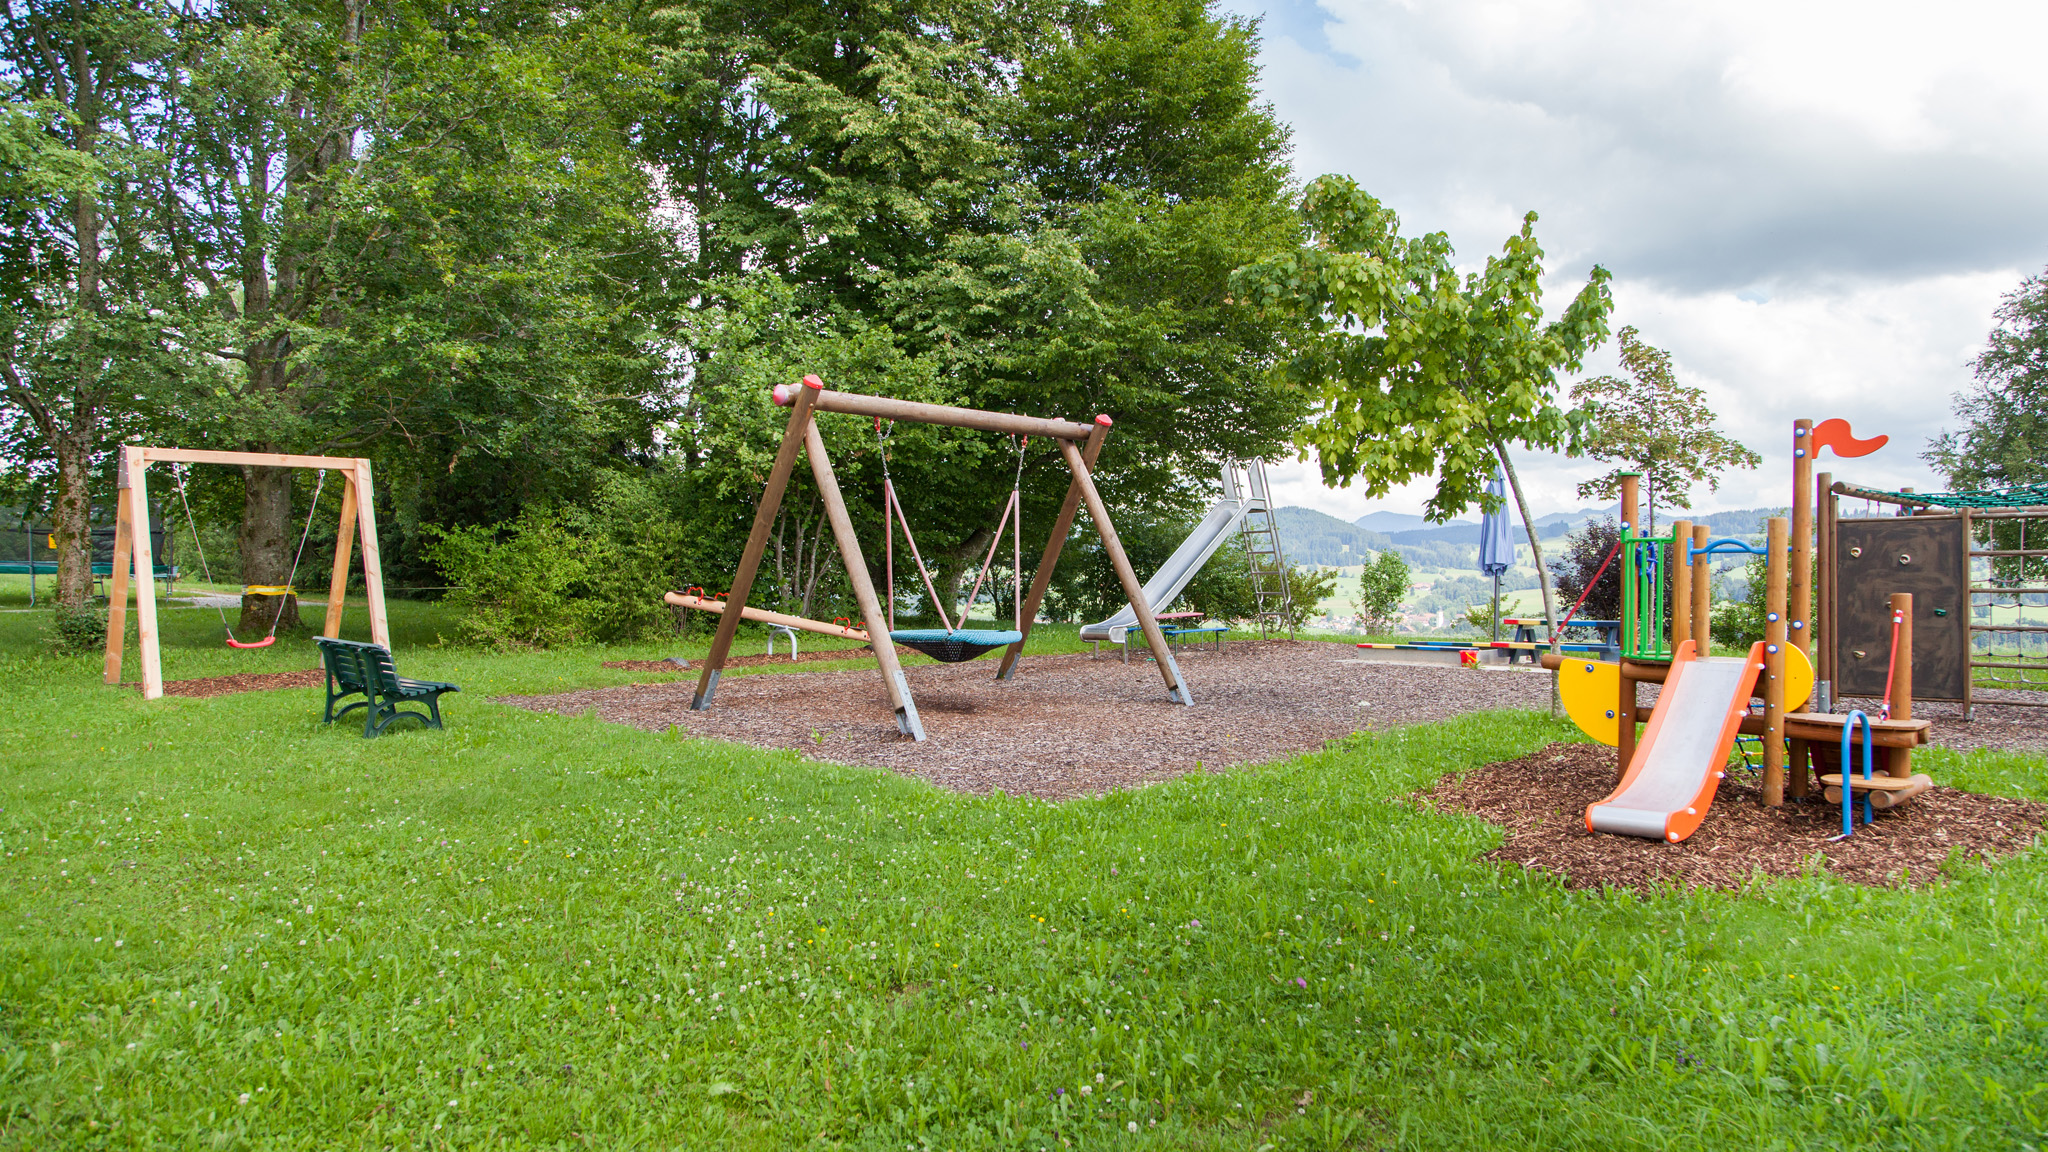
{"type": "Point", "coordinates": [1590, 690]}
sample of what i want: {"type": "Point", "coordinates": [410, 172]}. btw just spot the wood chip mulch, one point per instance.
{"type": "Point", "coordinates": [242, 682]}
{"type": "Point", "coordinates": [1541, 800]}
{"type": "Point", "coordinates": [1071, 725]}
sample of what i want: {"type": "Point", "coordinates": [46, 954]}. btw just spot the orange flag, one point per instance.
{"type": "Point", "coordinates": [1835, 434]}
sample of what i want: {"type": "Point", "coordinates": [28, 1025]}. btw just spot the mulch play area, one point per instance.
{"type": "Point", "coordinates": [1071, 725]}
{"type": "Point", "coordinates": [1541, 801]}
{"type": "Point", "coordinates": [241, 682]}
{"type": "Point", "coordinates": [815, 655]}
{"type": "Point", "coordinates": [1076, 725]}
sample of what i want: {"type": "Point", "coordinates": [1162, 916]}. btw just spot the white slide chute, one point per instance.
{"type": "Point", "coordinates": [1224, 519]}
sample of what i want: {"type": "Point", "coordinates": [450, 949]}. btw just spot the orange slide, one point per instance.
{"type": "Point", "coordinates": [1680, 760]}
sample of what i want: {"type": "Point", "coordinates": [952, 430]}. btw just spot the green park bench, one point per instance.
{"type": "Point", "coordinates": [366, 670]}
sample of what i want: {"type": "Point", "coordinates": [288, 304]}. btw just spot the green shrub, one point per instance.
{"type": "Point", "coordinates": [75, 631]}
{"type": "Point", "coordinates": [519, 585]}
{"type": "Point", "coordinates": [593, 572]}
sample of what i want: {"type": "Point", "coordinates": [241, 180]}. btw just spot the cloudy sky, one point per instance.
{"type": "Point", "coordinates": [1814, 206]}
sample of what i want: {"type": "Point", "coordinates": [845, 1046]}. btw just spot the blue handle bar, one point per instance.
{"type": "Point", "coordinates": [1848, 811]}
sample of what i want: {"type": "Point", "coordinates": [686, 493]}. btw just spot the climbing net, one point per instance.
{"type": "Point", "coordinates": [2020, 496]}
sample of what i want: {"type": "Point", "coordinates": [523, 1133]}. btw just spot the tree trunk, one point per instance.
{"type": "Point", "coordinates": [954, 571]}
{"type": "Point", "coordinates": [1535, 553]}
{"type": "Point", "coordinates": [71, 519]}
{"type": "Point", "coordinates": [266, 550]}
{"type": "Point", "coordinates": [72, 440]}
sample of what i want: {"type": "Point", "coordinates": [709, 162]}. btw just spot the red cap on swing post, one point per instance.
{"type": "Point", "coordinates": [785, 394]}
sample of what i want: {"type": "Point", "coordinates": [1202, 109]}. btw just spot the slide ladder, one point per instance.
{"type": "Point", "coordinates": [1272, 599]}
{"type": "Point", "coordinates": [1683, 754]}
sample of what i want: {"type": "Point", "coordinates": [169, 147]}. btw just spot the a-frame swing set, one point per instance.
{"type": "Point", "coordinates": [131, 540]}
{"type": "Point", "coordinates": [1079, 444]}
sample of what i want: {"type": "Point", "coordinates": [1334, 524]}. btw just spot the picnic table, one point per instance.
{"type": "Point", "coordinates": [1173, 625]}
{"type": "Point", "coordinates": [1526, 628]}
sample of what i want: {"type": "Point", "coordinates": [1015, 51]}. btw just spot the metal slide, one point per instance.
{"type": "Point", "coordinates": [1223, 519]}
{"type": "Point", "coordinates": [1683, 754]}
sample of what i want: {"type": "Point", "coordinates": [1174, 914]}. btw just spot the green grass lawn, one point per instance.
{"type": "Point", "coordinates": [225, 926]}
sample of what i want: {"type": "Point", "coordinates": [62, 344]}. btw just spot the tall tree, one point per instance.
{"type": "Point", "coordinates": [399, 222]}
{"type": "Point", "coordinates": [1652, 424]}
{"type": "Point", "coordinates": [2004, 438]}
{"type": "Point", "coordinates": [77, 266]}
{"type": "Point", "coordinates": [1033, 209]}
{"type": "Point", "coordinates": [1416, 371]}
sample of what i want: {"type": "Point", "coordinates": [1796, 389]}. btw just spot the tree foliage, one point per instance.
{"type": "Point", "coordinates": [1413, 370]}
{"type": "Point", "coordinates": [1001, 207]}
{"type": "Point", "coordinates": [2004, 438]}
{"type": "Point", "coordinates": [520, 254]}
{"type": "Point", "coordinates": [1653, 425]}
{"type": "Point", "coordinates": [83, 280]}
{"type": "Point", "coordinates": [1580, 563]}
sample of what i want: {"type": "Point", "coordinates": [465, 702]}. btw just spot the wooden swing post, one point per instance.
{"type": "Point", "coordinates": [1134, 588]}
{"type": "Point", "coordinates": [757, 542]}
{"type": "Point", "coordinates": [117, 590]}
{"type": "Point", "coordinates": [132, 548]}
{"type": "Point", "coordinates": [907, 721]}
{"type": "Point", "coordinates": [344, 549]}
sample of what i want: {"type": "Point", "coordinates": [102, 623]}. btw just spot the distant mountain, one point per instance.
{"type": "Point", "coordinates": [1739, 522]}
{"type": "Point", "coordinates": [1311, 537]}
{"type": "Point", "coordinates": [1390, 522]}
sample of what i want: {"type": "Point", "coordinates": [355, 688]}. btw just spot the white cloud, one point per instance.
{"type": "Point", "coordinates": [1814, 206]}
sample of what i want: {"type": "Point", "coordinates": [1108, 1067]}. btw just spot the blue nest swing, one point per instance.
{"type": "Point", "coordinates": [950, 644]}
{"type": "Point", "coordinates": [959, 645]}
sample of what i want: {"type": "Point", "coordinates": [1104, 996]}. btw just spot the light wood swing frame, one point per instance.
{"type": "Point", "coordinates": [1079, 444]}
{"type": "Point", "coordinates": [131, 542]}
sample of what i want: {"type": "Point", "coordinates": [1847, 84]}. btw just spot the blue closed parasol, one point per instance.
{"type": "Point", "coordinates": [1496, 546]}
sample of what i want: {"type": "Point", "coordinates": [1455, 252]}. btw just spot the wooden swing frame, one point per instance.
{"type": "Point", "coordinates": [131, 542]}
{"type": "Point", "coordinates": [802, 434]}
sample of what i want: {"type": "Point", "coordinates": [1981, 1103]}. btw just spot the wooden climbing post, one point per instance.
{"type": "Point", "coordinates": [1682, 623]}
{"type": "Point", "coordinates": [1900, 762]}
{"type": "Point", "coordinates": [1799, 610]}
{"type": "Point", "coordinates": [1774, 661]}
{"type": "Point", "coordinates": [1625, 707]}
{"type": "Point", "coordinates": [1702, 593]}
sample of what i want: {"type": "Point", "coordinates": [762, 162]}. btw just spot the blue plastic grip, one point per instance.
{"type": "Point", "coordinates": [1848, 799]}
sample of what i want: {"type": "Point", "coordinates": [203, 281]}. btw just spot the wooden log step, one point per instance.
{"type": "Point", "coordinates": [1878, 783]}
{"type": "Point", "coordinates": [1889, 791]}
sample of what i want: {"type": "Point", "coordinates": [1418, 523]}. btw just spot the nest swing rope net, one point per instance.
{"type": "Point", "coordinates": [953, 644]}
